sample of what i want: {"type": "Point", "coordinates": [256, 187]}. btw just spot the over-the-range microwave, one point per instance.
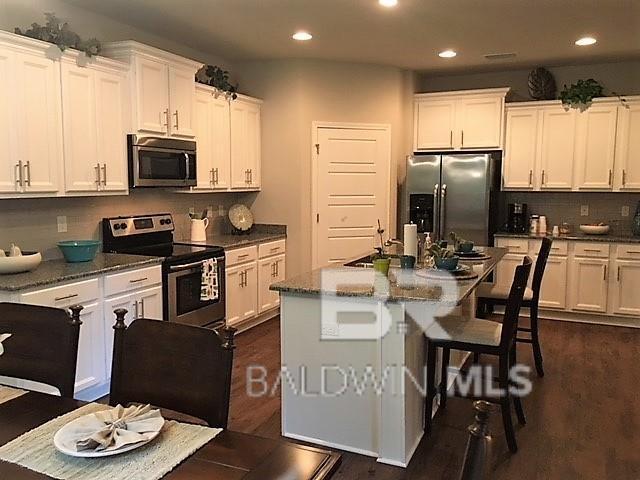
{"type": "Point", "coordinates": [161, 162]}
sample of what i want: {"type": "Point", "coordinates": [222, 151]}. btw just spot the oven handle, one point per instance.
{"type": "Point", "coordinates": [187, 266]}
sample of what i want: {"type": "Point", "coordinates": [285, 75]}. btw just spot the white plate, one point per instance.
{"type": "Point", "coordinates": [240, 217]}
{"type": "Point", "coordinates": [68, 447]}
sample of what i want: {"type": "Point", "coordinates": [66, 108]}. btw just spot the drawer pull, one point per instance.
{"type": "Point", "coordinates": [275, 249]}
{"type": "Point", "coordinates": [593, 250]}
{"type": "Point", "coordinates": [244, 255]}
{"type": "Point", "coordinates": [66, 297]}
{"type": "Point", "coordinates": [138, 280]}
{"type": "Point", "coordinates": [633, 251]}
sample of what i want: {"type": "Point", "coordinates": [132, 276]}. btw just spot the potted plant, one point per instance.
{"type": "Point", "coordinates": [381, 260]}
{"type": "Point", "coordinates": [444, 259]}
{"type": "Point", "coordinates": [581, 94]}
{"type": "Point", "coordinates": [461, 244]}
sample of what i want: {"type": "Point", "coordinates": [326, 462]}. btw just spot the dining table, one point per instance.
{"type": "Point", "coordinates": [230, 455]}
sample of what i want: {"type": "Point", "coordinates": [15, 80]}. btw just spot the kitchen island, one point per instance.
{"type": "Point", "coordinates": [352, 345]}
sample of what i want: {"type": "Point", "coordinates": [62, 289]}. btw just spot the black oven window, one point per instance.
{"type": "Point", "coordinates": [161, 165]}
{"type": "Point", "coordinates": [188, 293]}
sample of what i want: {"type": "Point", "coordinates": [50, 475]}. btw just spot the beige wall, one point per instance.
{"type": "Point", "coordinates": [297, 93]}
{"type": "Point", "coordinates": [619, 77]}
{"type": "Point", "coordinates": [22, 13]}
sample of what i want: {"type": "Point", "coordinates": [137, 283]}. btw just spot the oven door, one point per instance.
{"type": "Point", "coordinates": [161, 167]}
{"type": "Point", "coordinates": [182, 300]}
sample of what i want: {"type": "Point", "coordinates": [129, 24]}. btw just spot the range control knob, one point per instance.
{"type": "Point", "coordinates": [162, 221]}
{"type": "Point", "coordinates": [123, 226]}
{"type": "Point", "coordinates": [168, 221]}
{"type": "Point", "coordinates": [116, 226]}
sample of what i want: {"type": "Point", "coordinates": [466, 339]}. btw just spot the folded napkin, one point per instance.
{"type": "Point", "coordinates": [3, 337]}
{"type": "Point", "coordinates": [117, 427]}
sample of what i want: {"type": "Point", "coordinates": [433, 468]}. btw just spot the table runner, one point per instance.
{"type": "Point", "coordinates": [35, 451]}
{"type": "Point", "coordinates": [9, 393]}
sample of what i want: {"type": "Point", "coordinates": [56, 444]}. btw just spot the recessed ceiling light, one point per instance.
{"type": "Point", "coordinates": [584, 41]}
{"type": "Point", "coordinates": [302, 36]}
{"type": "Point", "coordinates": [447, 54]}
{"type": "Point", "coordinates": [388, 3]}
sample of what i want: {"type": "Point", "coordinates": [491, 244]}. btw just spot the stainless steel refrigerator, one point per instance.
{"type": "Point", "coordinates": [453, 192]}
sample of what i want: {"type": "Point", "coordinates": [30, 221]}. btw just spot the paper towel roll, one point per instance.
{"type": "Point", "coordinates": [411, 239]}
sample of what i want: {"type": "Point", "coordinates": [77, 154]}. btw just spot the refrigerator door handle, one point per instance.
{"type": "Point", "coordinates": [443, 210]}
{"type": "Point", "coordinates": [436, 211]}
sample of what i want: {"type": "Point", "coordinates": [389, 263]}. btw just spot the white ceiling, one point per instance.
{"type": "Point", "coordinates": [408, 36]}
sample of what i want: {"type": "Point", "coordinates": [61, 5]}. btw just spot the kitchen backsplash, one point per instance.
{"type": "Point", "coordinates": [32, 223]}
{"type": "Point", "coordinates": [565, 207]}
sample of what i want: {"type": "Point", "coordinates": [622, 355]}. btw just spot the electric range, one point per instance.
{"type": "Point", "coordinates": [182, 268]}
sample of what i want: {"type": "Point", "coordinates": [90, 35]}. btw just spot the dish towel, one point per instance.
{"type": "Point", "coordinates": [117, 427]}
{"type": "Point", "coordinates": [3, 337]}
{"type": "Point", "coordinates": [209, 289]}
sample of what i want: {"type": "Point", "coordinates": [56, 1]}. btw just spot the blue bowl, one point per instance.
{"type": "Point", "coordinates": [447, 263]}
{"type": "Point", "coordinates": [76, 251]}
{"type": "Point", "coordinates": [465, 247]}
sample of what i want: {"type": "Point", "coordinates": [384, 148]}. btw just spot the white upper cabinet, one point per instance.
{"type": "Point", "coordinates": [31, 118]}
{"type": "Point", "coordinates": [595, 147]}
{"type": "Point", "coordinates": [627, 163]}
{"type": "Point", "coordinates": [182, 91]}
{"type": "Point", "coordinates": [245, 143]}
{"type": "Point", "coordinates": [95, 114]}
{"type": "Point", "coordinates": [521, 148]}
{"type": "Point", "coordinates": [459, 120]}
{"type": "Point", "coordinates": [557, 152]}
{"type": "Point", "coordinates": [213, 139]}
{"type": "Point", "coordinates": [162, 88]}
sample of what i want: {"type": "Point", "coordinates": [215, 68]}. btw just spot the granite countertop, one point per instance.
{"type": "Point", "coordinates": [261, 233]}
{"type": "Point", "coordinates": [402, 285]}
{"type": "Point", "coordinates": [51, 272]}
{"type": "Point", "coordinates": [609, 238]}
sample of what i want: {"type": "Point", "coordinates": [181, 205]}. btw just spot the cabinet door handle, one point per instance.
{"type": "Point", "coordinates": [530, 178]}
{"type": "Point", "coordinates": [104, 174]}
{"type": "Point", "coordinates": [66, 297]}
{"type": "Point", "coordinates": [176, 115]}
{"type": "Point", "coordinates": [166, 118]}
{"type": "Point", "coordinates": [618, 276]}
{"type": "Point", "coordinates": [250, 175]}
{"type": "Point", "coordinates": [277, 268]}
{"type": "Point", "coordinates": [27, 171]}
{"type": "Point", "coordinates": [19, 179]}
{"type": "Point", "coordinates": [142, 308]}
{"type": "Point", "coordinates": [543, 177]}
{"type": "Point", "coordinates": [462, 138]}
{"type": "Point", "coordinates": [136, 313]}
{"type": "Point", "coordinates": [610, 177]}
{"type": "Point", "coordinates": [98, 179]}
{"type": "Point", "coordinates": [451, 138]}
{"type": "Point", "coordinates": [624, 177]}
{"type": "Point", "coordinates": [138, 280]}
{"type": "Point", "coordinates": [605, 273]}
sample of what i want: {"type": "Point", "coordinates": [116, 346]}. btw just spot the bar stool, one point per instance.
{"type": "Point", "coordinates": [483, 337]}
{"type": "Point", "coordinates": [490, 295]}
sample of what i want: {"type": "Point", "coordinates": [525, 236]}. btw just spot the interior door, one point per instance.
{"type": "Point", "coordinates": [152, 94]}
{"type": "Point", "coordinates": [181, 100]}
{"type": "Point", "coordinates": [464, 197]}
{"type": "Point", "coordinates": [80, 132]}
{"type": "Point", "coordinates": [351, 190]}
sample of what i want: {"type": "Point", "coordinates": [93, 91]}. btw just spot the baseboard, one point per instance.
{"type": "Point", "coordinates": [581, 317]}
{"type": "Point", "coordinates": [252, 322]}
{"type": "Point", "coordinates": [324, 443]}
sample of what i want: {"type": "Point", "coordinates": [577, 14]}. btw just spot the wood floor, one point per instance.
{"type": "Point", "coordinates": [583, 416]}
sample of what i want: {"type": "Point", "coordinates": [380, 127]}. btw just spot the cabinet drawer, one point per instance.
{"type": "Point", "coordinates": [271, 248]}
{"type": "Point", "coordinates": [558, 248]}
{"type": "Point", "coordinates": [591, 249]}
{"type": "Point", "coordinates": [241, 255]}
{"type": "Point", "coordinates": [132, 280]}
{"type": "Point", "coordinates": [514, 245]}
{"type": "Point", "coordinates": [629, 251]}
{"type": "Point", "coordinates": [64, 295]}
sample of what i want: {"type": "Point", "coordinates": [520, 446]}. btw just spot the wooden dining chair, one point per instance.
{"type": "Point", "coordinates": [491, 295]}
{"type": "Point", "coordinates": [175, 366]}
{"type": "Point", "coordinates": [483, 337]}
{"type": "Point", "coordinates": [43, 346]}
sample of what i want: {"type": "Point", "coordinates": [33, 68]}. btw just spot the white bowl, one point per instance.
{"type": "Point", "coordinates": [24, 263]}
{"type": "Point", "coordinates": [594, 229]}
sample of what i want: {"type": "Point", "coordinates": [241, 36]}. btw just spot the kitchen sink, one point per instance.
{"type": "Point", "coordinates": [367, 262]}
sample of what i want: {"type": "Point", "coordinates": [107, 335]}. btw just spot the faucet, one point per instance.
{"type": "Point", "coordinates": [394, 241]}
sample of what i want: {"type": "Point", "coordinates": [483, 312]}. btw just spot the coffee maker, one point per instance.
{"type": "Point", "coordinates": [517, 218]}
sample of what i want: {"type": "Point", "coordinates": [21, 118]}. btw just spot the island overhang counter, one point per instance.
{"type": "Point", "coordinates": [352, 352]}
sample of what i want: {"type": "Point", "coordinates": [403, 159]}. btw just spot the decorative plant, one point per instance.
{"type": "Point", "coordinates": [218, 78]}
{"type": "Point", "coordinates": [57, 32]}
{"type": "Point", "coordinates": [436, 251]}
{"type": "Point", "coordinates": [380, 249]}
{"type": "Point", "coordinates": [580, 94]}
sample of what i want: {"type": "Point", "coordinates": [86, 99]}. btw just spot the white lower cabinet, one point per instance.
{"type": "Point", "coordinates": [624, 288]}
{"type": "Point", "coordinates": [242, 291]}
{"type": "Point", "coordinates": [553, 291]}
{"type": "Point", "coordinates": [90, 368]}
{"type": "Point", "coordinates": [589, 284]}
{"type": "Point", "coordinates": [250, 271]}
